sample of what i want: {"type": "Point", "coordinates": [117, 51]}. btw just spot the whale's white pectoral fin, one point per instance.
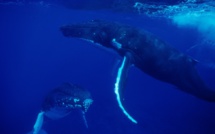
{"type": "Point", "coordinates": [84, 118]}
{"type": "Point", "coordinates": [119, 85]}
{"type": "Point", "coordinates": [39, 122]}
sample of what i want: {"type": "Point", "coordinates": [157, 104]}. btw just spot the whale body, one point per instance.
{"type": "Point", "coordinates": [147, 52]}
{"type": "Point", "coordinates": [60, 102]}
{"type": "Point", "coordinates": [65, 98]}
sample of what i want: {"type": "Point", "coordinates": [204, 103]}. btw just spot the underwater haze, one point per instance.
{"type": "Point", "coordinates": [35, 58]}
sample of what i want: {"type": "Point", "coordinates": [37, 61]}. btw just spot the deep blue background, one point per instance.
{"type": "Point", "coordinates": [35, 58]}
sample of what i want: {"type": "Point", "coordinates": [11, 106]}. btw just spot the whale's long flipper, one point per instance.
{"type": "Point", "coordinates": [84, 118]}
{"type": "Point", "coordinates": [119, 85]}
{"type": "Point", "coordinates": [39, 122]}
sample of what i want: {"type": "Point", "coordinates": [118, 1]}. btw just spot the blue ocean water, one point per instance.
{"type": "Point", "coordinates": [35, 58]}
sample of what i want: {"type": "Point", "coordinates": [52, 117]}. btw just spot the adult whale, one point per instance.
{"type": "Point", "coordinates": [146, 52]}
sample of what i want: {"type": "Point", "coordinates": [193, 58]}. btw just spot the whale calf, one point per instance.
{"type": "Point", "coordinates": [144, 50]}
{"type": "Point", "coordinates": [60, 102]}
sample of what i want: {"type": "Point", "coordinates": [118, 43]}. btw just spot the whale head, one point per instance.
{"type": "Point", "coordinates": [94, 30]}
{"type": "Point", "coordinates": [65, 98]}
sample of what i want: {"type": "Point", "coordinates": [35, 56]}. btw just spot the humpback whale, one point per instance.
{"type": "Point", "coordinates": [59, 103]}
{"type": "Point", "coordinates": [147, 52]}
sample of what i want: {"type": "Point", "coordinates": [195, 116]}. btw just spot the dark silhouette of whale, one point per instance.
{"type": "Point", "coordinates": [145, 51]}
